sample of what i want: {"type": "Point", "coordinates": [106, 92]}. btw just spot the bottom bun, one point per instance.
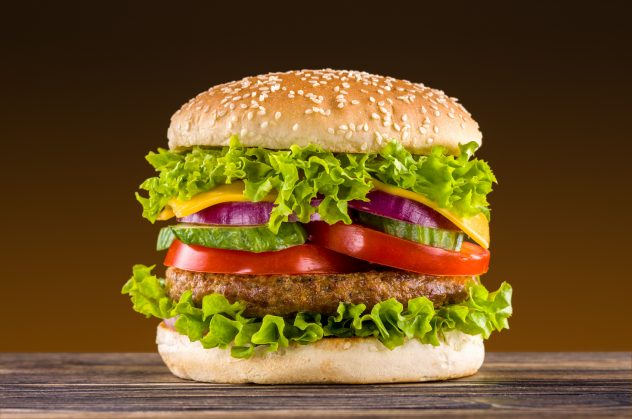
{"type": "Point", "coordinates": [330, 360]}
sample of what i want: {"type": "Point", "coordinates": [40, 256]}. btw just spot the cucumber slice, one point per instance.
{"type": "Point", "coordinates": [165, 238]}
{"type": "Point", "coordinates": [249, 238]}
{"type": "Point", "coordinates": [435, 237]}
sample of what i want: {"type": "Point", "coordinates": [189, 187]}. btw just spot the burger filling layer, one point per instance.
{"type": "Point", "coordinates": [274, 247]}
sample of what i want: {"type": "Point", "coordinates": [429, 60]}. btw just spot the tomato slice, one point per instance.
{"type": "Point", "coordinates": [377, 247]}
{"type": "Point", "coordinates": [306, 258]}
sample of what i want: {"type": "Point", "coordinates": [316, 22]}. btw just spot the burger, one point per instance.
{"type": "Point", "coordinates": [324, 226]}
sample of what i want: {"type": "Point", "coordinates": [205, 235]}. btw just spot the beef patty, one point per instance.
{"type": "Point", "coordinates": [284, 295]}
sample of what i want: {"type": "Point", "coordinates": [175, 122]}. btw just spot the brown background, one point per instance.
{"type": "Point", "coordinates": [89, 90]}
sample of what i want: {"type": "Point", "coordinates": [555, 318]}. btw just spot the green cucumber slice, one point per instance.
{"type": "Point", "coordinates": [165, 238]}
{"type": "Point", "coordinates": [435, 237]}
{"type": "Point", "coordinates": [249, 238]}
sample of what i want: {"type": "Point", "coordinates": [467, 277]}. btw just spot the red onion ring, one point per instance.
{"type": "Point", "coordinates": [403, 209]}
{"type": "Point", "coordinates": [380, 203]}
{"type": "Point", "coordinates": [240, 213]}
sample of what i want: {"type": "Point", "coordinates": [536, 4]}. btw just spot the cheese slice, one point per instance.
{"type": "Point", "coordinates": [477, 226]}
{"type": "Point", "coordinates": [232, 192]}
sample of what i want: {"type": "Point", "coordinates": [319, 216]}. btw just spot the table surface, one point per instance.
{"type": "Point", "coordinates": [139, 385]}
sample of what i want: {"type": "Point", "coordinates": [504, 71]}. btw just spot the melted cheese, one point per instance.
{"type": "Point", "coordinates": [477, 226]}
{"type": "Point", "coordinates": [232, 192]}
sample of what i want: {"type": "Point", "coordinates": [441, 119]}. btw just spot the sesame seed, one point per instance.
{"type": "Point", "coordinates": [264, 124]}
{"type": "Point", "coordinates": [294, 127]}
{"type": "Point", "coordinates": [372, 99]}
{"type": "Point", "coordinates": [437, 113]}
{"type": "Point", "coordinates": [363, 146]}
{"type": "Point", "coordinates": [348, 135]}
{"type": "Point", "coordinates": [355, 102]}
{"type": "Point", "coordinates": [249, 116]}
{"type": "Point", "coordinates": [308, 111]}
{"type": "Point", "coordinates": [341, 105]}
{"type": "Point", "coordinates": [365, 127]}
{"type": "Point", "coordinates": [405, 135]}
{"type": "Point", "coordinates": [331, 130]}
{"type": "Point", "coordinates": [375, 116]}
{"type": "Point", "coordinates": [422, 130]}
{"type": "Point", "coordinates": [436, 129]}
{"type": "Point", "coordinates": [277, 115]}
{"type": "Point", "coordinates": [343, 127]}
{"type": "Point", "coordinates": [430, 140]}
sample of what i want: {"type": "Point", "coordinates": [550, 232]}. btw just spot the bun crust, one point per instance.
{"type": "Point", "coordinates": [342, 111]}
{"type": "Point", "coordinates": [331, 360]}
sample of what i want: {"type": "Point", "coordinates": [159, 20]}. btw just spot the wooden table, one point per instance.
{"type": "Point", "coordinates": [139, 385]}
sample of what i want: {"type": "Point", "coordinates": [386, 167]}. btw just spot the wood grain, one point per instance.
{"type": "Point", "coordinates": [139, 385]}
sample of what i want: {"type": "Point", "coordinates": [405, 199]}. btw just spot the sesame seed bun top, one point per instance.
{"type": "Point", "coordinates": [342, 111]}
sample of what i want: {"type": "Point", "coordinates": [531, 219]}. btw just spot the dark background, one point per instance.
{"type": "Point", "coordinates": [88, 90]}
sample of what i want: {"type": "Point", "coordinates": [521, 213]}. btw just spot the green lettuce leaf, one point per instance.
{"type": "Point", "coordinates": [147, 293]}
{"type": "Point", "coordinates": [456, 182]}
{"type": "Point", "coordinates": [299, 174]}
{"type": "Point", "coordinates": [220, 324]}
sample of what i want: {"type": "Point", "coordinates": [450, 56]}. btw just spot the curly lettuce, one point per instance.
{"type": "Point", "coordinates": [460, 183]}
{"type": "Point", "coordinates": [219, 324]}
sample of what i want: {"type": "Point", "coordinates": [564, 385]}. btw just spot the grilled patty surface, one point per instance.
{"type": "Point", "coordinates": [284, 295]}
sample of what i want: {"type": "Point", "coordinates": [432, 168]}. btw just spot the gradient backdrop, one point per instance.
{"type": "Point", "coordinates": [89, 90]}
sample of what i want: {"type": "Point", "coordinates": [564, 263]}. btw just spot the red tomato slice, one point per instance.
{"type": "Point", "coordinates": [306, 258]}
{"type": "Point", "coordinates": [377, 247]}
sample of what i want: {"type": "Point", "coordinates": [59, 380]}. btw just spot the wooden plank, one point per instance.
{"type": "Point", "coordinates": [139, 385]}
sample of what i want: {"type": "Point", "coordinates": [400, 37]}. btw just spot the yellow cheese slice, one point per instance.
{"type": "Point", "coordinates": [477, 226]}
{"type": "Point", "coordinates": [232, 192]}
